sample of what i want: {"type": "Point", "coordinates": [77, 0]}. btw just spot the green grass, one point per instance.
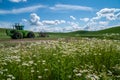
{"type": "Point", "coordinates": [90, 34]}
{"type": "Point", "coordinates": [100, 33]}
{"type": "Point", "coordinates": [85, 59]}
{"type": "Point", "coordinates": [3, 34]}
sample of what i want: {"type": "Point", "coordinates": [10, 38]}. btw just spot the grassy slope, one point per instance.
{"type": "Point", "coordinates": [109, 30]}
{"type": "Point", "coordinates": [88, 33]}
{"type": "Point", "coordinates": [3, 33]}
{"type": "Point", "coordinates": [74, 34]}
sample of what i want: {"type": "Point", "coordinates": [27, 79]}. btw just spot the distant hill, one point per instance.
{"type": "Point", "coordinates": [109, 30]}
{"type": "Point", "coordinates": [75, 33]}
{"type": "Point", "coordinates": [3, 33]}
{"type": "Point", "coordinates": [110, 33]}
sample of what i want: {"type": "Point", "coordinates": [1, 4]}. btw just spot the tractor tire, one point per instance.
{"type": "Point", "coordinates": [17, 35]}
{"type": "Point", "coordinates": [30, 35]}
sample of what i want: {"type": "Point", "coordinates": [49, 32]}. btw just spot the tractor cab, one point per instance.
{"type": "Point", "coordinates": [17, 26]}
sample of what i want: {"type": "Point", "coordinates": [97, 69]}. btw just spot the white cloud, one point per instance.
{"type": "Point", "coordinates": [108, 13]}
{"type": "Point", "coordinates": [84, 19]}
{"type": "Point", "coordinates": [74, 25]}
{"type": "Point", "coordinates": [104, 23]}
{"type": "Point", "coordinates": [22, 10]}
{"type": "Point", "coordinates": [35, 19]}
{"type": "Point", "coordinates": [118, 15]}
{"type": "Point", "coordinates": [53, 22]}
{"type": "Point", "coordinates": [103, 19]}
{"type": "Point", "coordinates": [17, 1]}
{"type": "Point", "coordinates": [46, 25]}
{"type": "Point", "coordinates": [96, 25]}
{"type": "Point", "coordinates": [24, 20]}
{"type": "Point", "coordinates": [111, 17]}
{"type": "Point", "coordinates": [98, 22]}
{"type": "Point", "coordinates": [72, 17]}
{"type": "Point", "coordinates": [62, 21]}
{"type": "Point", "coordinates": [49, 22]}
{"type": "Point", "coordinates": [70, 7]}
{"type": "Point", "coordinates": [95, 18]}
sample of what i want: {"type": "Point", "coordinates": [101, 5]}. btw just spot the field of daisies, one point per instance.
{"type": "Point", "coordinates": [63, 59]}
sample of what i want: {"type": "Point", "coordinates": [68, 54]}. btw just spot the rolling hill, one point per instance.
{"type": "Point", "coordinates": [109, 30]}
{"type": "Point", "coordinates": [90, 34]}
{"type": "Point", "coordinates": [3, 33]}
{"type": "Point", "coordinates": [100, 33]}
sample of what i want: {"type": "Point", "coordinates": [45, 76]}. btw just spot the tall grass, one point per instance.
{"type": "Point", "coordinates": [85, 59]}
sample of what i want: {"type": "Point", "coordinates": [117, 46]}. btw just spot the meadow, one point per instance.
{"type": "Point", "coordinates": [62, 59]}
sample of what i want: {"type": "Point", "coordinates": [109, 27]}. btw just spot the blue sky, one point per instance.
{"type": "Point", "coordinates": [60, 15]}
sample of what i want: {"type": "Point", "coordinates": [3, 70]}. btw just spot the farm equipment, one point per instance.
{"type": "Point", "coordinates": [18, 32]}
{"type": "Point", "coordinates": [43, 34]}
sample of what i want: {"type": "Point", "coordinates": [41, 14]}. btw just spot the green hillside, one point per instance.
{"type": "Point", "coordinates": [110, 33]}
{"type": "Point", "coordinates": [113, 32]}
{"type": "Point", "coordinates": [3, 33]}
{"type": "Point", "coordinates": [109, 30]}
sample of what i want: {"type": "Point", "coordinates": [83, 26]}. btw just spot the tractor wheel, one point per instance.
{"type": "Point", "coordinates": [17, 35]}
{"type": "Point", "coordinates": [30, 35]}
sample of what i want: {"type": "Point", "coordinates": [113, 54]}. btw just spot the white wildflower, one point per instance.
{"type": "Point", "coordinates": [75, 70]}
{"type": "Point", "coordinates": [39, 77]}
{"type": "Point", "coordinates": [69, 76]}
{"type": "Point", "coordinates": [37, 71]}
{"type": "Point", "coordinates": [45, 69]}
{"type": "Point", "coordinates": [1, 72]}
{"type": "Point", "coordinates": [58, 60]}
{"type": "Point", "coordinates": [78, 74]}
{"type": "Point", "coordinates": [10, 75]}
{"type": "Point", "coordinates": [92, 77]}
{"type": "Point", "coordinates": [32, 71]}
{"type": "Point", "coordinates": [9, 79]}
{"type": "Point", "coordinates": [43, 61]}
{"type": "Point", "coordinates": [30, 62]}
{"type": "Point", "coordinates": [25, 64]}
{"type": "Point", "coordinates": [13, 77]}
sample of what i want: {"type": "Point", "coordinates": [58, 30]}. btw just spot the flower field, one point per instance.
{"type": "Point", "coordinates": [63, 59]}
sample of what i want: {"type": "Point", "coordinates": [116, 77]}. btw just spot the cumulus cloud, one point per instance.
{"type": "Point", "coordinates": [17, 1]}
{"type": "Point", "coordinates": [74, 25]}
{"type": "Point", "coordinates": [102, 19]}
{"type": "Point", "coordinates": [53, 22]}
{"type": "Point", "coordinates": [104, 23]}
{"type": "Point", "coordinates": [84, 19]}
{"type": "Point", "coordinates": [108, 13]}
{"type": "Point", "coordinates": [22, 10]}
{"type": "Point", "coordinates": [44, 25]}
{"type": "Point", "coordinates": [50, 22]}
{"type": "Point", "coordinates": [95, 18]}
{"type": "Point", "coordinates": [35, 19]}
{"type": "Point", "coordinates": [72, 17]}
{"type": "Point", "coordinates": [96, 25]}
{"type": "Point", "coordinates": [24, 20]}
{"type": "Point", "coordinates": [118, 15]}
{"type": "Point", "coordinates": [70, 7]}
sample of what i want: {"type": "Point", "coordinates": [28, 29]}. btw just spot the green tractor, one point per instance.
{"type": "Point", "coordinates": [18, 32]}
